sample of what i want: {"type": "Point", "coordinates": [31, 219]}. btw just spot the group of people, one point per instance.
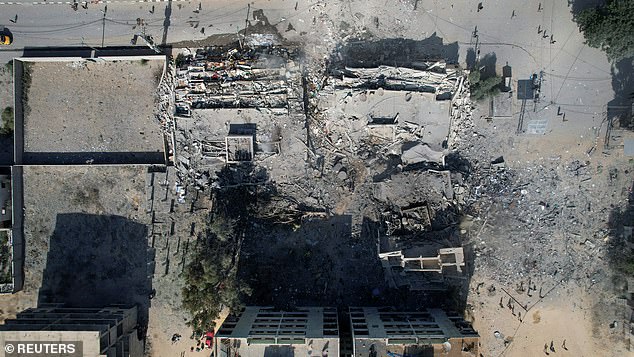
{"type": "Point", "coordinates": [176, 337]}
{"type": "Point", "coordinates": [552, 347]}
{"type": "Point", "coordinates": [75, 5]}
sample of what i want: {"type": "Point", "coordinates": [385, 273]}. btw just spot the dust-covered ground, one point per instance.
{"type": "Point", "coordinates": [546, 220]}
{"type": "Point", "coordinates": [544, 230]}
{"type": "Point", "coordinates": [85, 233]}
{"type": "Point", "coordinates": [91, 107]}
{"type": "Point", "coordinates": [547, 215]}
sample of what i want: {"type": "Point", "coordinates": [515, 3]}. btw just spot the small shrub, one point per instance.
{"type": "Point", "coordinates": [483, 88]}
{"type": "Point", "coordinates": [7, 121]}
{"type": "Point", "coordinates": [180, 60]}
{"type": "Point", "coordinates": [5, 258]}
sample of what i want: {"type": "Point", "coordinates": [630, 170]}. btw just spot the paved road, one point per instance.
{"type": "Point", "coordinates": [55, 23]}
{"type": "Point", "coordinates": [576, 79]}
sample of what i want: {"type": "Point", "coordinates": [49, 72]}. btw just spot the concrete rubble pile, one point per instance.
{"type": "Point", "coordinates": [437, 78]}
{"type": "Point", "coordinates": [388, 159]}
{"type": "Point", "coordinates": [164, 111]}
{"type": "Point", "coordinates": [226, 97]}
{"type": "Point", "coordinates": [540, 207]}
{"type": "Point", "coordinates": [233, 80]}
{"type": "Point", "coordinates": [403, 134]}
{"type": "Point", "coordinates": [422, 269]}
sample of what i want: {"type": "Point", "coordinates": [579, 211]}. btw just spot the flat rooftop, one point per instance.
{"type": "Point", "coordinates": [75, 108]}
{"type": "Point", "coordinates": [262, 331]}
{"type": "Point", "coordinates": [384, 331]}
{"type": "Point", "coordinates": [89, 339]}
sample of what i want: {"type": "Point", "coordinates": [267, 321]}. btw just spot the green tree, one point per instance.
{"type": "Point", "coordinates": [610, 28]}
{"type": "Point", "coordinates": [480, 88]}
{"type": "Point", "coordinates": [210, 277]}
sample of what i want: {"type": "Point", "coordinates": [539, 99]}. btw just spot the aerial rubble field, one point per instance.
{"type": "Point", "coordinates": [543, 230]}
{"type": "Point", "coordinates": [409, 164]}
{"type": "Point", "coordinates": [222, 94]}
{"type": "Point", "coordinates": [367, 142]}
{"type": "Point", "coordinates": [332, 185]}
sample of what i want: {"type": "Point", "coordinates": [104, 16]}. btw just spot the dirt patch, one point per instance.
{"type": "Point", "coordinates": [536, 317]}
{"type": "Point", "coordinates": [52, 192]}
{"type": "Point", "coordinates": [95, 107]}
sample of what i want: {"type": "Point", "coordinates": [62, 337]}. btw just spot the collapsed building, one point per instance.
{"type": "Point", "coordinates": [405, 115]}
{"type": "Point", "coordinates": [414, 269]}
{"type": "Point", "coordinates": [237, 107]}
{"type": "Point", "coordinates": [399, 111]}
{"type": "Point", "coordinates": [383, 134]}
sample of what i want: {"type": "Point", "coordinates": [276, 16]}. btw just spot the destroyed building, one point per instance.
{"type": "Point", "coordinates": [404, 111]}
{"type": "Point", "coordinates": [235, 107]}
{"type": "Point", "coordinates": [414, 269]}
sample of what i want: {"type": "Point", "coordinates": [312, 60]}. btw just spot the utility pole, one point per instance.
{"type": "Point", "coordinates": [103, 25]}
{"type": "Point", "coordinates": [246, 21]}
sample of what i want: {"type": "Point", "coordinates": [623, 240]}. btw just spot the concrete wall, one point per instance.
{"type": "Point", "coordinates": [18, 94]}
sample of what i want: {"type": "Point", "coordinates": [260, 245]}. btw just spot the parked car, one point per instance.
{"type": "Point", "coordinates": [5, 37]}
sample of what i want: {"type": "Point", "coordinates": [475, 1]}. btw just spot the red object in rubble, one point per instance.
{"type": "Point", "coordinates": [209, 339]}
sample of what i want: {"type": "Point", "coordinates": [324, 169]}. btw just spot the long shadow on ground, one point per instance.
{"type": "Point", "coordinates": [621, 245]}
{"type": "Point", "coordinates": [394, 52]}
{"type": "Point", "coordinates": [620, 107]}
{"type": "Point", "coordinates": [96, 261]}
{"type": "Point", "coordinates": [317, 263]}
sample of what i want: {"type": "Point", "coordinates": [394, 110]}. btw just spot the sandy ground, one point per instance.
{"type": "Point", "coordinates": [49, 192]}
{"type": "Point", "coordinates": [95, 107]}
{"type": "Point", "coordinates": [553, 319]}
{"type": "Point", "coordinates": [159, 336]}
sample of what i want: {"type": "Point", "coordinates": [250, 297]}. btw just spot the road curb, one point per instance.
{"type": "Point", "coordinates": [83, 2]}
